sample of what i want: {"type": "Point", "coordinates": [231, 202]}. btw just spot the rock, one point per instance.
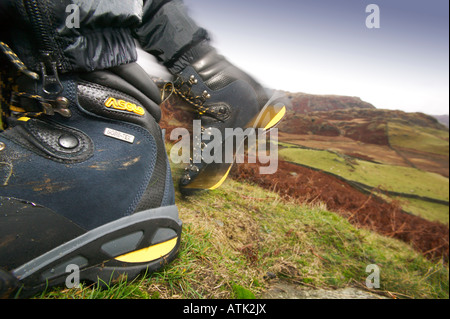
{"type": "Point", "coordinates": [282, 290]}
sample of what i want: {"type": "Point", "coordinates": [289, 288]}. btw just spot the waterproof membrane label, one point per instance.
{"type": "Point", "coordinates": [119, 135]}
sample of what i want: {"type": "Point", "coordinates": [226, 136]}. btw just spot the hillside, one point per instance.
{"type": "Point", "coordinates": [302, 103]}
{"type": "Point", "coordinates": [393, 137]}
{"type": "Point", "coordinates": [380, 152]}
{"type": "Point", "coordinates": [349, 192]}
{"type": "Point", "coordinates": [375, 152]}
{"type": "Point", "coordinates": [364, 125]}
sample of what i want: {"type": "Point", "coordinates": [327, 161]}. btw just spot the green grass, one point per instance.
{"type": "Point", "coordinates": [427, 210]}
{"type": "Point", "coordinates": [235, 236]}
{"type": "Point", "coordinates": [388, 177]}
{"type": "Point", "coordinates": [419, 138]}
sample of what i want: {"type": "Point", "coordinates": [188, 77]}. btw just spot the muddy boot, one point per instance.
{"type": "Point", "coordinates": [224, 97]}
{"type": "Point", "coordinates": [86, 191]}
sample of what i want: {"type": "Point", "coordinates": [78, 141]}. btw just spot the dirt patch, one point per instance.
{"type": "Point", "coordinates": [371, 212]}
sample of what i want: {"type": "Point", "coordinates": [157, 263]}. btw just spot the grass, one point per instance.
{"type": "Point", "coordinates": [419, 138]}
{"type": "Point", "coordinates": [237, 237]}
{"type": "Point", "coordinates": [387, 177]}
{"type": "Point", "coordinates": [427, 210]}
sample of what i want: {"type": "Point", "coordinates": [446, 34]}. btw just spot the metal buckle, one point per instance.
{"type": "Point", "coordinates": [34, 105]}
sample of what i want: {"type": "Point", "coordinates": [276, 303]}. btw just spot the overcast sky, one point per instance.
{"type": "Point", "coordinates": [325, 47]}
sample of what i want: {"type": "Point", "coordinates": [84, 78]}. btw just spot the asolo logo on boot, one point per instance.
{"type": "Point", "coordinates": [122, 105]}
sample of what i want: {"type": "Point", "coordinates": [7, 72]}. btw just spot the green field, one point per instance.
{"type": "Point", "coordinates": [419, 138]}
{"type": "Point", "coordinates": [387, 177]}
{"type": "Point", "coordinates": [430, 211]}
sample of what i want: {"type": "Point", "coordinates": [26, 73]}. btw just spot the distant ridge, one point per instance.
{"type": "Point", "coordinates": [306, 103]}
{"type": "Point", "coordinates": [443, 119]}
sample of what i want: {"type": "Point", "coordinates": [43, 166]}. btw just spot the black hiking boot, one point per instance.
{"type": "Point", "coordinates": [224, 97]}
{"type": "Point", "coordinates": [85, 183]}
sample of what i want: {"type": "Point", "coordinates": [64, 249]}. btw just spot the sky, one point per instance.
{"type": "Point", "coordinates": [325, 47]}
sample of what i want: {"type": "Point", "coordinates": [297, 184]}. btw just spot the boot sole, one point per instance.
{"type": "Point", "coordinates": [143, 242]}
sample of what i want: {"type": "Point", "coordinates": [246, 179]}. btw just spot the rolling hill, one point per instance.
{"type": "Point", "coordinates": [399, 158]}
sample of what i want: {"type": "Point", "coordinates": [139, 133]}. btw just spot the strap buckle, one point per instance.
{"type": "Point", "coordinates": [35, 105]}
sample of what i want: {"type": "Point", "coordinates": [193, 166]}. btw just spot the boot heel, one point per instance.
{"type": "Point", "coordinates": [143, 242]}
{"type": "Point", "coordinates": [271, 114]}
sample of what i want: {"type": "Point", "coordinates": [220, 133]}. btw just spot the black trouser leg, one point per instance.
{"type": "Point", "coordinates": [168, 32]}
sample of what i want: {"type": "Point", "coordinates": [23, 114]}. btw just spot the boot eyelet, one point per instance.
{"type": "Point", "coordinates": [2, 146]}
{"type": "Point", "coordinates": [206, 95]}
{"type": "Point", "coordinates": [185, 180]}
{"type": "Point", "coordinates": [193, 80]}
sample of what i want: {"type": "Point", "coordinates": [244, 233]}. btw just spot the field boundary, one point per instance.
{"type": "Point", "coordinates": [367, 189]}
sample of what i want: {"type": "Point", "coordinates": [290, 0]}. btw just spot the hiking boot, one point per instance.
{"type": "Point", "coordinates": [85, 184]}
{"type": "Point", "coordinates": [224, 97]}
